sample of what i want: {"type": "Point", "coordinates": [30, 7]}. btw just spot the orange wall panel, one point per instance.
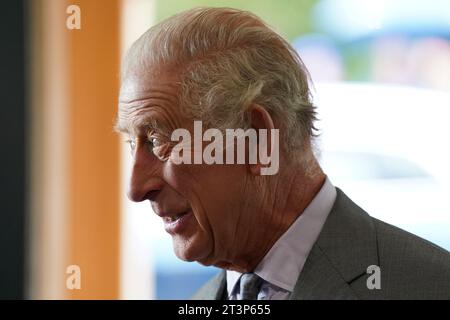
{"type": "Point", "coordinates": [94, 149]}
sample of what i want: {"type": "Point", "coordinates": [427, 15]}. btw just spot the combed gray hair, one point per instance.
{"type": "Point", "coordinates": [228, 59]}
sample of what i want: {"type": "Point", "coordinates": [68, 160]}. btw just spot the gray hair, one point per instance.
{"type": "Point", "coordinates": [228, 59]}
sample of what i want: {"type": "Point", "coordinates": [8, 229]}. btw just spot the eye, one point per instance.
{"type": "Point", "coordinates": [154, 140]}
{"type": "Point", "coordinates": [152, 143]}
{"type": "Point", "coordinates": [158, 146]}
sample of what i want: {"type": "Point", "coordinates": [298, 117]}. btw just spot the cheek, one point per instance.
{"type": "Point", "coordinates": [189, 181]}
{"type": "Point", "coordinates": [212, 190]}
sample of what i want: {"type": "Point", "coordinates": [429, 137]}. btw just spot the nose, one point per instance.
{"type": "Point", "coordinates": [145, 180]}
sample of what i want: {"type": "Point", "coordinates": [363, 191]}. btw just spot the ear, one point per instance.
{"type": "Point", "coordinates": [260, 119]}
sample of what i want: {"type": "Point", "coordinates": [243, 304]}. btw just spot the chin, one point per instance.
{"type": "Point", "coordinates": [188, 250]}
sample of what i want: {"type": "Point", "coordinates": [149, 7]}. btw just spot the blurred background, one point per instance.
{"type": "Point", "coordinates": [381, 74]}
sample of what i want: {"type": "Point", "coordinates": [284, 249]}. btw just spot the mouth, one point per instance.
{"type": "Point", "coordinates": [173, 218]}
{"type": "Point", "coordinates": [177, 223]}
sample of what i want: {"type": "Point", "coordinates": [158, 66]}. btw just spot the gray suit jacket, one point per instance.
{"type": "Point", "coordinates": [350, 242]}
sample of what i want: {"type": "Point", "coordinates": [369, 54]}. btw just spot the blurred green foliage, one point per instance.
{"type": "Point", "coordinates": [290, 18]}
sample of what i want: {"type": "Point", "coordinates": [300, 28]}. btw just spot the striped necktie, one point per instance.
{"type": "Point", "coordinates": [250, 285]}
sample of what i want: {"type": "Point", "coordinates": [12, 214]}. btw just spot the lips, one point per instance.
{"type": "Point", "coordinates": [174, 217]}
{"type": "Point", "coordinates": [176, 222]}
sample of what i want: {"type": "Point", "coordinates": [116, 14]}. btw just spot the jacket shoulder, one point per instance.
{"type": "Point", "coordinates": [411, 267]}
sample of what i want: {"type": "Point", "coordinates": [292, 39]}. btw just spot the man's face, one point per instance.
{"type": "Point", "coordinates": [201, 205]}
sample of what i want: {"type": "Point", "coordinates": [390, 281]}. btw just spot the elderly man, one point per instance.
{"type": "Point", "coordinates": [289, 234]}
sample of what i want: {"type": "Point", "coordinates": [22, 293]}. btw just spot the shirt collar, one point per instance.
{"type": "Point", "coordinates": [283, 263]}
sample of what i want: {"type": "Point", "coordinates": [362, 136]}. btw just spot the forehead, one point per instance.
{"type": "Point", "coordinates": [147, 101]}
{"type": "Point", "coordinates": [139, 84]}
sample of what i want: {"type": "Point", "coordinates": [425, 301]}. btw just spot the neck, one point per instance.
{"type": "Point", "coordinates": [282, 203]}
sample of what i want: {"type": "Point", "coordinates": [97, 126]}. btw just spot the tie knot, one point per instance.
{"type": "Point", "coordinates": [250, 285]}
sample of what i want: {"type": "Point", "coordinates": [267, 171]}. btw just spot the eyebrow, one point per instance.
{"type": "Point", "coordinates": [144, 124]}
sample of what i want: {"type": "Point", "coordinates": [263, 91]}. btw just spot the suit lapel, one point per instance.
{"type": "Point", "coordinates": [319, 280]}
{"type": "Point", "coordinates": [346, 246]}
